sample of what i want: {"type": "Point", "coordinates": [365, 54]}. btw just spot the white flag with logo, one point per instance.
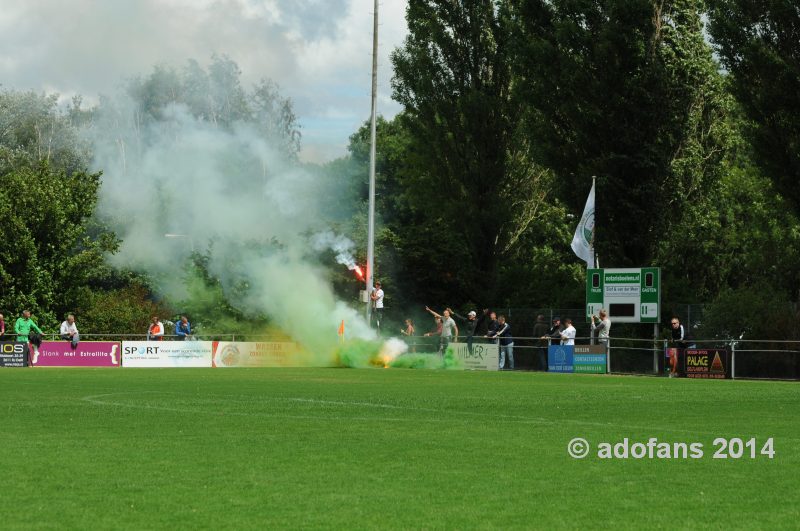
{"type": "Point", "coordinates": [583, 241]}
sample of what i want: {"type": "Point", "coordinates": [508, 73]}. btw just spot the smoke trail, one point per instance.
{"type": "Point", "coordinates": [341, 245]}
{"type": "Point", "coordinates": [181, 184]}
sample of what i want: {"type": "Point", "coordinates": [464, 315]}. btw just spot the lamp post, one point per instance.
{"type": "Point", "coordinates": [373, 118]}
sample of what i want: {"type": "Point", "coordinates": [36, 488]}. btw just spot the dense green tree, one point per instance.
{"type": "Point", "coordinates": [48, 260]}
{"type": "Point", "coordinates": [473, 187]}
{"type": "Point", "coordinates": [758, 42]}
{"type": "Point", "coordinates": [626, 90]}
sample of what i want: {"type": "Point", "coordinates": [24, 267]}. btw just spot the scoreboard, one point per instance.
{"type": "Point", "coordinates": [628, 295]}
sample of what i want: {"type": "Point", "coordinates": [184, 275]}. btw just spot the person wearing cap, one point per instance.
{"type": "Point", "coordinates": [377, 304]}
{"type": "Point", "coordinates": [472, 323]}
{"type": "Point", "coordinates": [554, 334]}
{"type": "Point", "coordinates": [541, 331]}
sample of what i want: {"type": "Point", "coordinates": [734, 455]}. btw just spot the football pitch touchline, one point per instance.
{"type": "Point", "coordinates": [98, 401]}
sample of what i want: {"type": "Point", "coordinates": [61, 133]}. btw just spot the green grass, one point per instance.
{"type": "Point", "coordinates": [374, 448]}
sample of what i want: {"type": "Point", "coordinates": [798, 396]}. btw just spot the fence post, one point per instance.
{"type": "Point", "coordinates": [733, 360]}
{"type": "Point", "coordinates": [655, 349]}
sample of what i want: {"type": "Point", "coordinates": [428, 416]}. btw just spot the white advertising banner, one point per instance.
{"type": "Point", "coordinates": [255, 354]}
{"type": "Point", "coordinates": [166, 353]}
{"type": "Point", "coordinates": [484, 356]}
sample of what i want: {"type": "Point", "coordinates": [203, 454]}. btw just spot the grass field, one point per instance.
{"type": "Point", "coordinates": [374, 448]}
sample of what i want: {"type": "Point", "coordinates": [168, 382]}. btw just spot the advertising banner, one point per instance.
{"type": "Point", "coordinates": [560, 358]}
{"type": "Point", "coordinates": [255, 354]}
{"type": "Point", "coordinates": [13, 354]}
{"type": "Point", "coordinates": [86, 354]}
{"type": "Point", "coordinates": [166, 353]}
{"type": "Point", "coordinates": [484, 356]}
{"type": "Point", "coordinates": [577, 358]}
{"type": "Point", "coordinates": [590, 359]}
{"type": "Point", "coordinates": [708, 363]}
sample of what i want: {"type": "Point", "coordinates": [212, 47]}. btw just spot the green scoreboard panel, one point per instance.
{"type": "Point", "coordinates": [629, 295]}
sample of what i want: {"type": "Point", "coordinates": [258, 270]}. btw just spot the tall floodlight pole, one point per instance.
{"type": "Point", "coordinates": [373, 135]}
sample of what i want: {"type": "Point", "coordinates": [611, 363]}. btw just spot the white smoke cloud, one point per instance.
{"type": "Point", "coordinates": [184, 184]}
{"type": "Point", "coordinates": [341, 245]}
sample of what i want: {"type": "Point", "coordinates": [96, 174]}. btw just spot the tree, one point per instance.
{"type": "Point", "coordinates": [473, 185]}
{"type": "Point", "coordinates": [758, 42]}
{"type": "Point", "coordinates": [626, 90]}
{"type": "Point", "coordinates": [48, 259]}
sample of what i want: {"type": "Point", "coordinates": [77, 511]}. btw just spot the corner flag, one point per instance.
{"type": "Point", "coordinates": [583, 241]}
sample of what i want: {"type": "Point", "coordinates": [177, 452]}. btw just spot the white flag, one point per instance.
{"type": "Point", "coordinates": [583, 241]}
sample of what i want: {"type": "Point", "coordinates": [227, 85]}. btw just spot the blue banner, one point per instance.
{"type": "Point", "coordinates": [560, 358]}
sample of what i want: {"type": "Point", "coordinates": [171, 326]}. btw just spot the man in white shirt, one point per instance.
{"type": "Point", "coordinates": [69, 331]}
{"type": "Point", "coordinates": [377, 304]}
{"type": "Point", "coordinates": [568, 334]}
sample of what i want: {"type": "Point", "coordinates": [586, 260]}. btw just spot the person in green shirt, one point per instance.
{"type": "Point", "coordinates": [23, 328]}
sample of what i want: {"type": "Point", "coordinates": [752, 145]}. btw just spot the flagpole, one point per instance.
{"type": "Point", "coordinates": [596, 258]}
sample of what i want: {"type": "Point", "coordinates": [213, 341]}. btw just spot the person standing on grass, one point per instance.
{"type": "Point", "coordinates": [436, 332]}
{"type": "Point", "coordinates": [449, 329]}
{"type": "Point", "coordinates": [506, 343]}
{"type": "Point", "coordinates": [680, 338]}
{"type": "Point", "coordinates": [156, 330]}
{"type": "Point", "coordinates": [377, 305]}
{"type": "Point", "coordinates": [472, 323]}
{"type": "Point", "coordinates": [541, 331]}
{"type": "Point", "coordinates": [69, 332]}
{"type": "Point", "coordinates": [28, 332]}
{"type": "Point", "coordinates": [409, 332]}
{"type": "Point", "coordinates": [568, 334]}
{"type": "Point", "coordinates": [601, 325]}
{"type": "Point", "coordinates": [554, 334]}
{"type": "Point", "coordinates": [493, 326]}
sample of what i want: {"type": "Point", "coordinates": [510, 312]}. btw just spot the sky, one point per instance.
{"type": "Point", "coordinates": [318, 51]}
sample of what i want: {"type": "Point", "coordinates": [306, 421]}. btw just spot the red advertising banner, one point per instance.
{"type": "Point", "coordinates": [87, 354]}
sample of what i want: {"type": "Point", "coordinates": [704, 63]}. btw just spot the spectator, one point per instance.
{"type": "Point", "coordinates": [23, 327]}
{"type": "Point", "coordinates": [601, 325]}
{"type": "Point", "coordinates": [377, 305]}
{"type": "Point", "coordinates": [506, 343]}
{"type": "Point", "coordinates": [568, 334]}
{"type": "Point", "coordinates": [437, 332]}
{"type": "Point", "coordinates": [183, 329]}
{"type": "Point", "coordinates": [493, 325]}
{"type": "Point", "coordinates": [409, 332]}
{"type": "Point", "coordinates": [449, 329]}
{"type": "Point", "coordinates": [472, 324]}
{"type": "Point", "coordinates": [69, 332]}
{"type": "Point", "coordinates": [156, 330]}
{"type": "Point", "coordinates": [541, 331]}
{"type": "Point", "coordinates": [2, 326]}
{"type": "Point", "coordinates": [554, 334]}
{"type": "Point", "coordinates": [680, 339]}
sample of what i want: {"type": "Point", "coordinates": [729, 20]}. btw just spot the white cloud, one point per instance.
{"type": "Point", "coordinates": [318, 51]}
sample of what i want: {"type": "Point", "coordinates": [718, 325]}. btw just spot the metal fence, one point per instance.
{"type": "Point", "coordinates": [754, 359]}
